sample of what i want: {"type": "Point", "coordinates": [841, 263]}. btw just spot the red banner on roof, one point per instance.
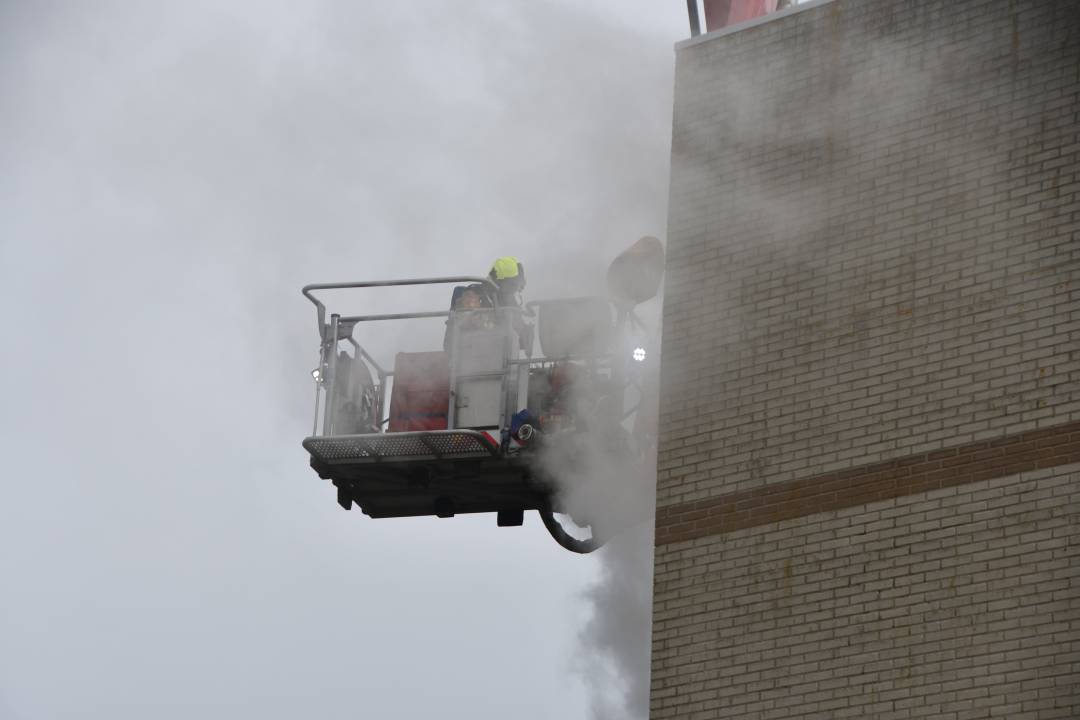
{"type": "Point", "coordinates": [721, 13]}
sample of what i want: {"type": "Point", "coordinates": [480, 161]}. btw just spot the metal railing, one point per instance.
{"type": "Point", "coordinates": [320, 308]}
{"type": "Point", "coordinates": [340, 328]}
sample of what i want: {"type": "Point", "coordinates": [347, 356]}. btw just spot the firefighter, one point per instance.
{"type": "Point", "coordinates": [508, 274]}
{"type": "Point", "coordinates": [470, 300]}
{"type": "Point", "coordinates": [470, 297]}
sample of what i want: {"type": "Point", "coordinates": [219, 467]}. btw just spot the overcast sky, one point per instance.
{"type": "Point", "coordinates": [170, 175]}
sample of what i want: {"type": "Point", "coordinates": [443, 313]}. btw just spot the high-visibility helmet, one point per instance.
{"type": "Point", "coordinates": [508, 274]}
{"type": "Point", "coordinates": [507, 267]}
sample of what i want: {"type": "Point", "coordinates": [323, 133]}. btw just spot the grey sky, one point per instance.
{"type": "Point", "coordinates": [170, 175]}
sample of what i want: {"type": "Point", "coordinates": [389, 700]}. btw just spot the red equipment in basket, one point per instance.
{"type": "Point", "coordinates": [421, 395]}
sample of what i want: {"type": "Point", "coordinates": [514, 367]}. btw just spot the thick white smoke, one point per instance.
{"type": "Point", "coordinates": [170, 175]}
{"type": "Point", "coordinates": [615, 494]}
{"type": "Point", "coordinates": [606, 477]}
{"type": "Point", "coordinates": [617, 637]}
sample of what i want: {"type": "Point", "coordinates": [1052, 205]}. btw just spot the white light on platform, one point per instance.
{"type": "Point", "coordinates": [639, 354]}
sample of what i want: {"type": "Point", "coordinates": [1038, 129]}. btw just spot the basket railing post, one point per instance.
{"type": "Point", "coordinates": [451, 363]}
{"type": "Point", "coordinates": [508, 338]}
{"type": "Point", "coordinates": [331, 374]}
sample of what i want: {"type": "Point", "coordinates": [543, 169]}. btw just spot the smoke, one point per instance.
{"type": "Point", "coordinates": [170, 175]}
{"type": "Point", "coordinates": [617, 498]}
{"type": "Point", "coordinates": [605, 477]}
{"type": "Point", "coordinates": [618, 635]}
{"type": "Point", "coordinates": [784, 209]}
{"type": "Point", "coordinates": [616, 639]}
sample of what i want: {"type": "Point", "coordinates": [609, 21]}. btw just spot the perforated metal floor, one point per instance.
{"type": "Point", "coordinates": [399, 446]}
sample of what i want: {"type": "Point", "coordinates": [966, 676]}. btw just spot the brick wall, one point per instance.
{"type": "Point", "coordinates": [872, 297]}
{"type": "Point", "coordinates": [959, 603]}
{"type": "Point", "coordinates": [872, 238]}
{"type": "Point", "coordinates": [919, 473]}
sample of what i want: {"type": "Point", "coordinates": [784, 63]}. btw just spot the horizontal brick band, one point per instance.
{"type": "Point", "coordinates": [985, 460]}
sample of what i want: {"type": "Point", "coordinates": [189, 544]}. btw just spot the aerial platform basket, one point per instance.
{"type": "Point", "coordinates": [462, 429]}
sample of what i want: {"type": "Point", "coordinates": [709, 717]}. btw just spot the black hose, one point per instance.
{"type": "Point", "coordinates": [564, 538]}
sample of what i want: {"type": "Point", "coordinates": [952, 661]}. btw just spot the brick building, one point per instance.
{"type": "Point", "coordinates": [869, 473]}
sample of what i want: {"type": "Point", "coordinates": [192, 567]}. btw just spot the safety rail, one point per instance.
{"type": "Point", "coordinates": [341, 327]}
{"type": "Point", "coordinates": [320, 308]}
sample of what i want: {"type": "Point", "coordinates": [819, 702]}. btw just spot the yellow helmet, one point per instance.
{"type": "Point", "coordinates": [508, 274]}
{"type": "Point", "coordinates": [505, 268]}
